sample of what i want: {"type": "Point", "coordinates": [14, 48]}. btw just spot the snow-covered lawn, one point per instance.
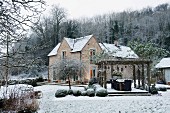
{"type": "Point", "coordinates": [116, 104]}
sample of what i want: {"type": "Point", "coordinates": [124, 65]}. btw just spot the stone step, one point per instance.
{"type": "Point", "coordinates": [137, 94]}
{"type": "Point", "coordinates": [127, 92]}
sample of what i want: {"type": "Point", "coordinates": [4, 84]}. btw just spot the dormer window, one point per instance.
{"type": "Point", "coordinates": [63, 54]}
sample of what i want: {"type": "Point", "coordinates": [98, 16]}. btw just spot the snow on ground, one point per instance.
{"type": "Point", "coordinates": [116, 104]}
{"type": "Point", "coordinates": [24, 76]}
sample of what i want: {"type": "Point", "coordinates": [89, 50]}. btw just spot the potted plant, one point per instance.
{"type": "Point", "coordinates": [117, 74]}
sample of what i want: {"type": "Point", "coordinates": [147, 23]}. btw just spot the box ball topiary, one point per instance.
{"type": "Point", "coordinates": [101, 92]}
{"type": "Point", "coordinates": [84, 93]}
{"type": "Point", "coordinates": [76, 92]}
{"type": "Point", "coordinates": [90, 92]}
{"type": "Point", "coordinates": [162, 89]}
{"type": "Point", "coordinates": [95, 86]}
{"type": "Point", "coordinates": [153, 90]}
{"type": "Point", "coordinates": [70, 92]}
{"type": "Point", "coordinates": [61, 93]}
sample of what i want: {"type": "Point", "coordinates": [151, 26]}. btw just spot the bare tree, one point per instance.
{"type": "Point", "coordinates": [58, 16]}
{"type": "Point", "coordinates": [68, 69]}
{"type": "Point", "coordinates": [16, 16]}
{"type": "Point", "coordinates": [48, 32]}
{"type": "Point", "coordinates": [70, 29]}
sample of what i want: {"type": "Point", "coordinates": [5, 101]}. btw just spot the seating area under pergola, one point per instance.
{"type": "Point", "coordinates": [143, 64]}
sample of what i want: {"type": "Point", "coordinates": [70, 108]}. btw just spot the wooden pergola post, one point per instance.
{"type": "Point", "coordinates": [138, 74]}
{"type": "Point", "coordinates": [99, 73]}
{"type": "Point", "coordinates": [134, 76]}
{"type": "Point", "coordinates": [133, 62]}
{"type": "Point", "coordinates": [105, 82]}
{"type": "Point", "coordinates": [143, 77]}
{"type": "Point", "coordinates": [149, 75]}
{"type": "Point", "coordinates": [101, 77]}
{"type": "Point", "coordinates": [111, 70]}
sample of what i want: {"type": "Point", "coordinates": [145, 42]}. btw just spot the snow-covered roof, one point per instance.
{"type": "Point", "coordinates": [78, 43]}
{"type": "Point", "coordinates": [54, 51]}
{"type": "Point", "coordinates": [164, 63]}
{"type": "Point", "coordinates": [75, 44]}
{"type": "Point", "coordinates": [70, 42]}
{"type": "Point", "coordinates": [118, 51]}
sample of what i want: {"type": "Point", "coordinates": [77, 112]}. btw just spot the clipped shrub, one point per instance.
{"type": "Point", "coordinates": [40, 79]}
{"type": "Point", "coordinates": [161, 82]}
{"type": "Point", "coordinates": [101, 92]}
{"type": "Point", "coordinates": [33, 83]}
{"type": "Point", "coordinates": [162, 88]}
{"type": "Point", "coordinates": [84, 93]}
{"type": "Point", "coordinates": [89, 87]}
{"type": "Point", "coordinates": [153, 90]}
{"type": "Point", "coordinates": [96, 86]}
{"type": "Point", "coordinates": [85, 88]}
{"type": "Point", "coordinates": [70, 92]}
{"type": "Point", "coordinates": [76, 92]}
{"type": "Point", "coordinates": [93, 81]}
{"type": "Point", "coordinates": [90, 92]}
{"type": "Point", "coordinates": [61, 93]}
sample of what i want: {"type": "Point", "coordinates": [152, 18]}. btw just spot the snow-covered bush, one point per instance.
{"type": "Point", "coordinates": [70, 92]}
{"type": "Point", "coordinates": [90, 92]}
{"type": "Point", "coordinates": [153, 90]}
{"type": "Point", "coordinates": [61, 93]}
{"type": "Point", "coordinates": [85, 88]}
{"type": "Point", "coordinates": [93, 81]}
{"type": "Point", "coordinates": [32, 82]}
{"type": "Point", "coordinates": [84, 93]}
{"type": "Point", "coordinates": [40, 79]}
{"type": "Point", "coordinates": [96, 86]}
{"type": "Point", "coordinates": [101, 92]}
{"type": "Point", "coordinates": [161, 88]}
{"type": "Point", "coordinates": [18, 97]}
{"type": "Point", "coordinates": [76, 92]}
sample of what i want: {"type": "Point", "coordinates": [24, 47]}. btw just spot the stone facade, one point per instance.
{"type": "Point", "coordinates": [90, 47]}
{"type": "Point", "coordinates": [83, 55]}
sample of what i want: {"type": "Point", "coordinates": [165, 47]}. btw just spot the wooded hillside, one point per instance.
{"type": "Point", "coordinates": [147, 25]}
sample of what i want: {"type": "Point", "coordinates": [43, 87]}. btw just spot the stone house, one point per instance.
{"type": "Point", "coordinates": [84, 48]}
{"type": "Point", "coordinates": [164, 67]}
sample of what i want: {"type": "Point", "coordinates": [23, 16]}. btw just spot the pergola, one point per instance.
{"type": "Point", "coordinates": [142, 63]}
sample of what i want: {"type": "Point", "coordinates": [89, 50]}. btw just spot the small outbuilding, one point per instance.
{"type": "Point", "coordinates": [164, 67]}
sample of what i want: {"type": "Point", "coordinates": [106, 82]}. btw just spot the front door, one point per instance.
{"type": "Point", "coordinates": [93, 72]}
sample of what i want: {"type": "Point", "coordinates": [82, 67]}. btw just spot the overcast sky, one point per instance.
{"type": "Point", "coordinates": [89, 8]}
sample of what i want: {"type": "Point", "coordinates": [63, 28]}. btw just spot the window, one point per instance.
{"type": "Point", "coordinates": [121, 69]}
{"type": "Point", "coordinates": [117, 68]}
{"type": "Point", "coordinates": [63, 54]}
{"type": "Point", "coordinates": [92, 53]}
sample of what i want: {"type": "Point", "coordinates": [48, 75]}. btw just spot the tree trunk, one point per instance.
{"type": "Point", "coordinates": [69, 82]}
{"type": "Point", "coordinates": [7, 61]}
